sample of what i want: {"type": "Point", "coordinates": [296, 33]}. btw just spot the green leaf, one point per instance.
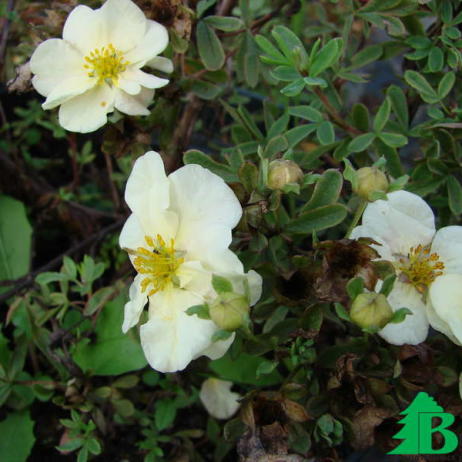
{"type": "Point", "coordinates": [204, 5]}
{"type": "Point", "coordinates": [399, 105]}
{"type": "Point", "coordinates": [317, 219]}
{"type": "Point", "coordinates": [205, 90]}
{"type": "Point", "coordinates": [285, 74]}
{"type": "Point", "coordinates": [270, 50]}
{"type": "Point", "coordinates": [350, 174]}
{"type": "Point", "coordinates": [366, 56]}
{"type": "Point", "coordinates": [355, 287]}
{"type": "Point", "coordinates": [248, 58]}
{"type": "Point", "coordinates": [221, 335]}
{"type": "Point", "coordinates": [361, 142]}
{"type": "Point", "coordinates": [16, 437]}
{"type": "Point", "coordinates": [243, 370]}
{"type": "Point", "coordinates": [202, 311]}
{"type": "Point", "coordinates": [341, 311]}
{"type": "Point", "coordinates": [326, 191]}
{"type": "Point", "coordinates": [113, 352]}
{"type": "Point", "coordinates": [248, 174]}
{"type": "Point", "coordinates": [15, 239]}
{"type": "Point", "coordinates": [436, 59]}
{"type": "Point", "coordinates": [194, 156]}
{"type": "Point", "coordinates": [307, 113]}
{"type": "Point", "coordinates": [325, 133]}
{"type": "Point", "coordinates": [50, 276]}
{"type": "Point", "coordinates": [394, 140]}
{"type": "Point", "coordinates": [399, 315]}
{"type": "Point", "coordinates": [224, 23]}
{"type": "Point", "coordinates": [294, 88]}
{"type": "Point", "coordinates": [164, 414]}
{"type": "Point", "coordinates": [454, 195]}
{"type": "Point", "coordinates": [221, 285]}
{"type": "Point", "coordinates": [326, 57]}
{"type": "Point", "coordinates": [360, 116]}
{"type": "Point", "coordinates": [420, 83]}
{"type": "Point", "coordinates": [382, 116]}
{"type": "Point", "coordinates": [388, 284]}
{"type": "Point", "coordinates": [266, 367]}
{"type": "Point", "coordinates": [288, 42]}
{"type": "Point", "coordinates": [209, 47]}
{"type": "Point", "coordinates": [446, 84]}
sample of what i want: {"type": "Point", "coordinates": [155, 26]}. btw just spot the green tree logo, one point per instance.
{"type": "Point", "coordinates": [417, 428]}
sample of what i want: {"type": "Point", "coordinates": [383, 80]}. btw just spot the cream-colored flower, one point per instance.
{"type": "Point", "coordinates": [178, 236]}
{"type": "Point", "coordinates": [96, 66]}
{"type": "Point", "coordinates": [428, 264]}
{"type": "Point", "coordinates": [218, 399]}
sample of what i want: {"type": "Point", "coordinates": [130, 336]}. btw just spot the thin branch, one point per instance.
{"type": "Point", "coordinates": [28, 280]}
{"type": "Point", "coordinates": [334, 115]}
{"type": "Point", "coordinates": [5, 30]}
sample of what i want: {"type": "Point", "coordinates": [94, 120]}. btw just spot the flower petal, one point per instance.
{"type": "Point", "coordinates": [403, 221]}
{"type": "Point", "coordinates": [132, 234]}
{"type": "Point", "coordinates": [439, 324]}
{"type": "Point", "coordinates": [147, 184]}
{"type": "Point", "coordinates": [171, 339]}
{"type": "Point", "coordinates": [87, 112]}
{"type": "Point", "coordinates": [414, 328]}
{"type": "Point", "coordinates": [218, 399]}
{"type": "Point", "coordinates": [124, 24]}
{"type": "Point", "coordinates": [255, 286]}
{"type": "Point", "coordinates": [217, 349]}
{"type": "Point", "coordinates": [161, 64]}
{"type": "Point", "coordinates": [53, 62]}
{"type": "Point", "coordinates": [84, 29]}
{"type": "Point", "coordinates": [154, 41]}
{"type": "Point", "coordinates": [446, 298]}
{"type": "Point", "coordinates": [134, 307]}
{"type": "Point", "coordinates": [132, 80]}
{"type": "Point", "coordinates": [66, 90]}
{"type": "Point", "coordinates": [147, 195]}
{"type": "Point", "coordinates": [208, 210]}
{"type": "Point", "coordinates": [448, 245]}
{"type": "Point", "coordinates": [383, 249]}
{"type": "Point", "coordinates": [134, 105]}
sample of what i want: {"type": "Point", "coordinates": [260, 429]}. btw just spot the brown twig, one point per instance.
{"type": "Point", "coordinates": [225, 7]}
{"type": "Point", "coordinates": [29, 279]}
{"type": "Point", "coordinates": [112, 186]}
{"type": "Point", "coordinates": [71, 139]}
{"type": "Point", "coordinates": [5, 30]}
{"type": "Point", "coordinates": [182, 133]}
{"type": "Point", "coordinates": [334, 115]}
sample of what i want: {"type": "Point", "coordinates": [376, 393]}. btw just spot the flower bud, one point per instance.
{"type": "Point", "coordinates": [370, 180]}
{"type": "Point", "coordinates": [228, 311]}
{"type": "Point", "coordinates": [282, 172]}
{"type": "Point", "coordinates": [371, 311]}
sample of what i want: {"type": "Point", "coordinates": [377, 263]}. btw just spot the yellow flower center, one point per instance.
{"type": "Point", "coordinates": [159, 264]}
{"type": "Point", "coordinates": [420, 268]}
{"type": "Point", "coordinates": [105, 64]}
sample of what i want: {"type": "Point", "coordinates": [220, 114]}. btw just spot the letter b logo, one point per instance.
{"type": "Point", "coordinates": [418, 429]}
{"type": "Point", "coordinates": [426, 431]}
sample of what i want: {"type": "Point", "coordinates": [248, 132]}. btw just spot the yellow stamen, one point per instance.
{"type": "Point", "coordinates": [420, 268]}
{"type": "Point", "coordinates": [159, 264]}
{"type": "Point", "coordinates": [105, 64]}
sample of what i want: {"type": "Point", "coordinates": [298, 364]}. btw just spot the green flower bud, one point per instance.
{"type": "Point", "coordinates": [229, 310]}
{"type": "Point", "coordinates": [371, 311]}
{"type": "Point", "coordinates": [282, 172]}
{"type": "Point", "coordinates": [370, 180]}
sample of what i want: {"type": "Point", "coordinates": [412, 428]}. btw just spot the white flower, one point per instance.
{"type": "Point", "coordinates": [218, 399]}
{"type": "Point", "coordinates": [178, 237]}
{"type": "Point", "coordinates": [428, 264]}
{"type": "Point", "coordinates": [96, 66]}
